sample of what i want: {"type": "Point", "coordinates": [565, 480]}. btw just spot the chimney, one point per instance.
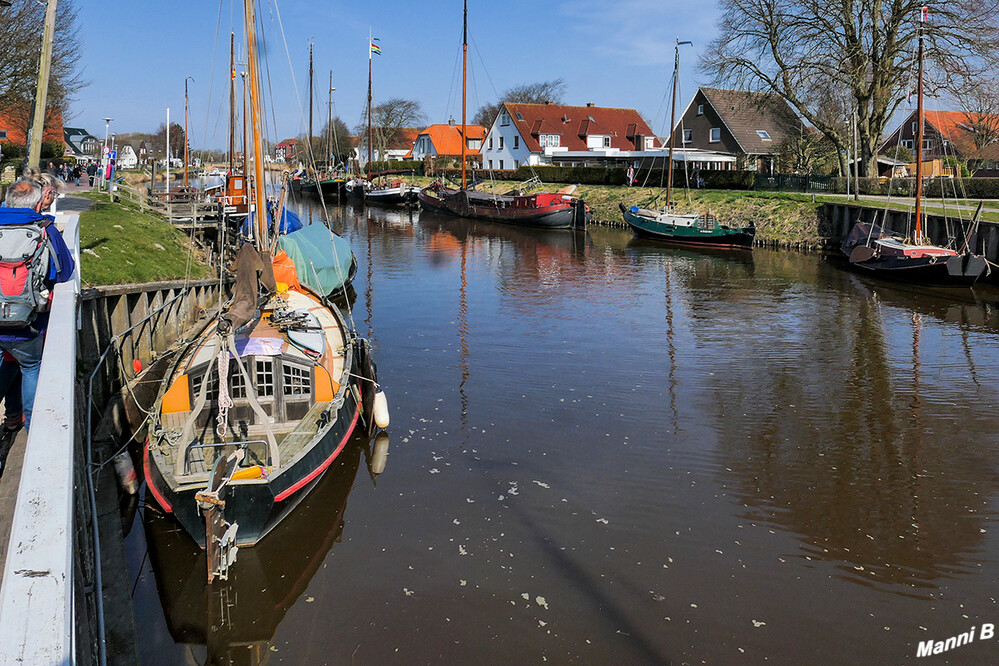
{"type": "Point", "coordinates": [589, 104]}
{"type": "Point", "coordinates": [450, 121]}
{"type": "Point", "coordinates": [548, 102]}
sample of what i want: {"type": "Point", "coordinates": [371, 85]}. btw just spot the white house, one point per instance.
{"type": "Point", "coordinates": [127, 158]}
{"type": "Point", "coordinates": [445, 141]}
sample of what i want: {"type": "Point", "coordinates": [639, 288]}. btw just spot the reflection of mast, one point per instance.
{"type": "Point", "coordinates": [671, 349]}
{"type": "Point", "coordinates": [917, 321]}
{"type": "Point", "coordinates": [463, 336]}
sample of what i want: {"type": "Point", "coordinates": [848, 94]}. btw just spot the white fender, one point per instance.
{"type": "Point", "coordinates": [380, 409]}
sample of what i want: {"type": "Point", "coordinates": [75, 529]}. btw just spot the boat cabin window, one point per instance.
{"type": "Point", "coordinates": [265, 377]}
{"type": "Point", "coordinates": [297, 380]}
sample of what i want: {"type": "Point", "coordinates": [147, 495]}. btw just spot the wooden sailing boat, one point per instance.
{"type": "Point", "coordinates": [916, 260]}
{"type": "Point", "coordinates": [255, 408]}
{"type": "Point", "coordinates": [551, 210]}
{"type": "Point", "coordinates": [701, 229]}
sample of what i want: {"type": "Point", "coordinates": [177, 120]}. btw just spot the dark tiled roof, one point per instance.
{"type": "Point", "coordinates": [745, 114]}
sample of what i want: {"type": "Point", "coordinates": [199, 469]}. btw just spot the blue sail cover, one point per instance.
{"type": "Point", "coordinates": [289, 221]}
{"type": "Point", "coordinates": [322, 258]}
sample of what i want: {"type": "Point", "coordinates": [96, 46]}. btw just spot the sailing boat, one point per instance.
{"type": "Point", "coordinates": [255, 407]}
{"type": "Point", "coordinates": [916, 260]}
{"type": "Point", "coordinates": [701, 229]}
{"type": "Point", "coordinates": [551, 210]}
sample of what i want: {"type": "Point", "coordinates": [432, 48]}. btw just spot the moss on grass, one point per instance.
{"type": "Point", "coordinates": [121, 245]}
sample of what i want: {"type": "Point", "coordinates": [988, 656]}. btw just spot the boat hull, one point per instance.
{"type": "Point", "coordinates": [718, 237]}
{"type": "Point", "coordinates": [393, 196]}
{"type": "Point", "coordinates": [559, 214]}
{"type": "Point", "coordinates": [257, 505]}
{"type": "Point", "coordinates": [937, 267]}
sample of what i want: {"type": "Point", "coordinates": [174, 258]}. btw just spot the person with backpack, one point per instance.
{"type": "Point", "coordinates": [33, 258]}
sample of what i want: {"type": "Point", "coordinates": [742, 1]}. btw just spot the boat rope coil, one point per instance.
{"type": "Point", "coordinates": [224, 400]}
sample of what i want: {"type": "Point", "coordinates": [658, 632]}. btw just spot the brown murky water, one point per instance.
{"type": "Point", "coordinates": [604, 451]}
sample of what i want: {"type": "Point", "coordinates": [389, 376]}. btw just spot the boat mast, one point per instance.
{"type": "Point", "coordinates": [464, 66]}
{"type": "Point", "coordinates": [258, 151]}
{"type": "Point", "coordinates": [232, 101]}
{"type": "Point", "coordinates": [186, 142]}
{"type": "Point", "coordinates": [329, 127]}
{"type": "Point", "coordinates": [367, 167]}
{"type": "Point", "coordinates": [919, 132]}
{"type": "Point", "coordinates": [308, 153]}
{"type": "Point", "coordinates": [246, 160]}
{"type": "Point", "coordinates": [672, 119]}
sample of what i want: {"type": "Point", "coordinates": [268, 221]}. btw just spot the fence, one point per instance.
{"type": "Point", "coordinates": [794, 183]}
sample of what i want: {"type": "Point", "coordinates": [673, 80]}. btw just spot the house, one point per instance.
{"type": "Point", "coordinates": [444, 140]}
{"type": "Point", "coordinates": [399, 145]}
{"type": "Point", "coordinates": [127, 158]}
{"type": "Point", "coordinates": [286, 150]}
{"type": "Point", "coordinates": [590, 135]}
{"type": "Point", "coordinates": [82, 144]}
{"type": "Point", "coordinates": [749, 125]}
{"type": "Point", "coordinates": [15, 121]}
{"type": "Point", "coordinates": [984, 162]}
{"type": "Point", "coordinates": [945, 134]}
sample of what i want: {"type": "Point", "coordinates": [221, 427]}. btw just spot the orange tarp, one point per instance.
{"type": "Point", "coordinates": [284, 270]}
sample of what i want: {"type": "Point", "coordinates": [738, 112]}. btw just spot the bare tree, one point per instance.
{"type": "Point", "coordinates": [21, 27]}
{"type": "Point", "coordinates": [867, 50]}
{"type": "Point", "coordinates": [528, 93]}
{"type": "Point", "coordinates": [158, 146]}
{"type": "Point", "coordinates": [388, 120]}
{"type": "Point", "coordinates": [978, 97]}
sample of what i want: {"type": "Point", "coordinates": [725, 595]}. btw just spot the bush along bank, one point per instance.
{"type": "Point", "coordinates": [782, 220]}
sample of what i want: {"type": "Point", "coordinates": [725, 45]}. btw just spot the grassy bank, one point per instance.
{"type": "Point", "coordinates": [121, 245]}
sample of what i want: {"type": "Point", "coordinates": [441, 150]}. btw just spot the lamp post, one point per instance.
{"type": "Point", "coordinates": [104, 153]}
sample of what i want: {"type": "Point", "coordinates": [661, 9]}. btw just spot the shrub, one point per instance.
{"type": "Point", "coordinates": [416, 166]}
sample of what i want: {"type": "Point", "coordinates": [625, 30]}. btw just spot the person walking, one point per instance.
{"type": "Point", "coordinates": [91, 172]}
{"type": "Point", "coordinates": [23, 205]}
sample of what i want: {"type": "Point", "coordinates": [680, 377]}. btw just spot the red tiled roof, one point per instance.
{"type": "Point", "coordinates": [17, 119]}
{"type": "Point", "coordinates": [574, 123]}
{"type": "Point", "coordinates": [954, 126]}
{"type": "Point", "coordinates": [447, 138]}
{"type": "Point", "coordinates": [287, 143]}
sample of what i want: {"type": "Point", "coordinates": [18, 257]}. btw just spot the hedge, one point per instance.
{"type": "Point", "coordinates": [415, 166]}
{"type": "Point", "coordinates": [720, 180]}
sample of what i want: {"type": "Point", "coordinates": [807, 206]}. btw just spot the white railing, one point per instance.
{"type": "Point", "coordinates": [36, 599]}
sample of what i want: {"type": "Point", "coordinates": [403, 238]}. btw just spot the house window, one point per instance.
{"type": "Point", "coordinates": [715, 135]}
{"type": "Point", "coordinates": [688, 135]}
{"type": "Point", "coordinates": [516, 164]}
{"type": "Point", "coordinates": [490, 143]}
{"type": "Point", "coordinates": [490, 164]}
{"type": "Point", "coordinates": [519, 117]}
{"type": "Point", "coordinates": [501, 143]}
{"type": "Point", "coordinates": [504, 119]}
{"type": "Point", "coordinates": [914, 124]}
{"type": "Point", "coordinates": [607, 142]}
{"type": "Point", "coordinates": [501, 164]}
{"type": "Point", "coordinates": [700, 109]}
{"type": "Point", "coordinates": [907, 143]}
{"type": "Point", "coordinates": [549, 140]}
{"type": "Point", "coordinates": [474, 144]}
{"type": "Point", "coordinates": [763, 134]}
{"type": "Point", "coordinates": [297, 380]}
{"type": "Point", "coordinates": [265, 377]}
{"type": "Point", "coordinates": [516, 142]}
{"type": "Point", "coordinates": [648, 144]}
{"type": "Point", "coordinates": [927, 144]}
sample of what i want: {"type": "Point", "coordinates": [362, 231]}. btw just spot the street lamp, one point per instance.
{"type": "Point", "coordinates": [104, 154]}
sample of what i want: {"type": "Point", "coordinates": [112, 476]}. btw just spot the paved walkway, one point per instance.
{"type": "Point", "coordinates": [10, 477]}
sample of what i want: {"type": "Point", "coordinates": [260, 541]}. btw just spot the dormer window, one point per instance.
{"type": "Point", "coordinates": [607, 142]}
{"type": "Point", "coordinates": [549, 140]}
{"type": "Point", "coordinates": [763, 134]}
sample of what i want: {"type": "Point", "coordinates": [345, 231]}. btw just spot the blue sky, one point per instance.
{"type": "Point", "coordinates": [610, 52]}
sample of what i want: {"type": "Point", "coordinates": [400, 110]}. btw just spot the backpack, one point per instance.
{"type": "Point", "coordinates": [25, 251]}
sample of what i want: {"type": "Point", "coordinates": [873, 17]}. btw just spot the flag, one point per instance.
{"type": "Point", "coordinates": [377, 50]}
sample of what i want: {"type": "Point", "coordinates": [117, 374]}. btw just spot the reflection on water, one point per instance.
{"type": "Point", "coordinates": [608, 451]}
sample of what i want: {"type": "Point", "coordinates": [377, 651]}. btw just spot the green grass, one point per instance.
{"type": "Point", "coordinates": [121, 245]}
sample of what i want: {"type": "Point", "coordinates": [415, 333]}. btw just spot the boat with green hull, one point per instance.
{"type": "Point", "coordinates": [700, 229]}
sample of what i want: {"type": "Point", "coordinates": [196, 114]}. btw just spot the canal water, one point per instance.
{"type": "Point", "coordinates": [606, 451]}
